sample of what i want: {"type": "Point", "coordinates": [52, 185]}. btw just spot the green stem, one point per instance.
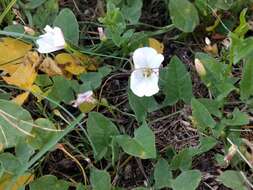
{"type": "Point", "coordinates": [6, 10]}
{"type": "Point", "coordinates": [18, 35]}
{"type": "Point", "coordinates": [71, 49]}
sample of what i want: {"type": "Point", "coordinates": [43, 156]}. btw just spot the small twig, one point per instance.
{"type": "Point", "coordinates": [61, 147]}
{"type": "Point", "coordinates": [246, 179]}
{"type": "Point", "coordinates": [165, 117]}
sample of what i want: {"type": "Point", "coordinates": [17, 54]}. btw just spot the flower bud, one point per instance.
{"type": "Point", "coordinates": [199, 67]}
{"type": "Point", "coordinates": [231, 152]}
{"type": "Point", "coordinates": [29, 30]}
{"type": "Point", "coordinates": [207, 41]}
{"type": "Point", "coordinates": [101, 33]}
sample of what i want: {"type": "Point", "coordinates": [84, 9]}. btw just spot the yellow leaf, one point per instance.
{"type": "Point", "coordinates": [37, 92]}
{"type": "Point", "coordinates": [23, 77]}
{"type": "Point", "coordinates": [90, 62]}
{"type": "Point", "coordinates": [12, 50]}
{"type": "Point", "coordinates": [9, 68]}
{"type": "Point", "coordinates": [75, 69]}
{"type": "Point", "coordinates": [158, 46]}
{"type": "Point", "coordinates": [50, 67]}
{"type": "Point", "coordinates": [86, 107]}
{"type": "Point", "coordinates": [21, 98]}
{"type": "Point", "coordinates": [20, 182]}
{"type": "Point", "coordinates": [71, 63]}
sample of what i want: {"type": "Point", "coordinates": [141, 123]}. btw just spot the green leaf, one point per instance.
{"type": "Point", "coordinates": [233, 180]}
{"type": "Point", "coordinates": [176, 82]}
{"type": "Point", "coordinates": [142, 145]}
{"type": "Point", "coordinates": [32, 4]}
{"type": "Point", "coordinates": [141, 105]}
{"type": "Point", "coordinates": [115, 23]}
{"type": "Point", "coordinates": [19, 28]}
{"type": "Point", "coordinates": [187, 180]}
{"type": "Point", "coordinates": [184, 15]}
{"type": "Point", "coordinates": [49, 182]}
{"type": "Point", "coordinates": [162, 174]}
{"type": "Point", "coordinates": [239, 118]}
{"type": "Point", "coordinates": [41, 18]}
{"type": "Point", "coordinates": [240, 48]}
{"type": "Point", "coordinates": [62, 90]}
{"type": "Point", "coordinates": [43, 80]}
{"type": "Point", "coordinates": [206, 144]}
{"type": "Point", "coordinates": [66, 20]}
{"type": "Point", "coordinates": [217, 77]}
{"type": "Point", "coordinates": [201, 116]}
{"type": "Point", "coordinates": [43, 134]}
{"type": "Point", "coordinates": [244, 27]}
{"type": "Point", "coordinates": [213, 106]}
{"type": "Point", "coordinates": [100, 179]}
{"type": "Point", "coordinates": [132, 10]}
{"type": "Point", "coordinates": [23, 151]}
{"type": "Point", "coordinates": [246, 84]}
{"type": "Point", "coordinates": [9, 162]}
{"type": "Point", "coordinates": [101, 131]}
{"type": "Point", "coordinates": [182, 160]}
{"type": "Point", "coordinates": [221, 4]}
{"type": "Point", "coordinates": [12, 130]}
{"type": "Point", "coordinates": [93, 80]}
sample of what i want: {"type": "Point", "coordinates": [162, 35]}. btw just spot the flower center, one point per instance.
{"type": "Point", "coordinates": [147, 72]}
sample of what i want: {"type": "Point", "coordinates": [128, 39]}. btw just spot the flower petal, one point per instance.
{"type": "Point", "coordinates": [155, 61]}
{"type": "Point", "coordinates": [59, 38]}
{"type": "Point", "coordinates": [140, 57]}
{"type": "Point", "coordinates": [144, 86]}
{"type": "Point", "coordinates": [51, 41]}
{"type": "Point", "coordinates": [45, 46]}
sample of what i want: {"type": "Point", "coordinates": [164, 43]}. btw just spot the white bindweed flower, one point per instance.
{"type": "Point", "coordinates": [84, 97]}
{"type": "Point", "coordinates": [144, 79]}
{"type": "Point", "coordinates": [52, 40]}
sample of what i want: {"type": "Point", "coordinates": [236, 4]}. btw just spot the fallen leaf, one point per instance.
{"type": "Point", "coordinates": [90, 62]}
{"type": "Point", "coordinates": [23, 77]}
{"type": "Point", "coordinates": [32, 58]}
{"type": "Point", "coordinates": [9, 68]}
{"type": "Point", "coordinates": [20, 182]}
{"type": "Point", "coordinates": [21, 98]}
{"type": "Point", "coordinates": [37, 92]}
{"type": "Point", "coordinates": [70, 63]}
{"type": "Point", "coordinates": [154, 43]}
{"type": "Point", "coordinates": [50, 67]}
{"type": "Point", "coordinates": [13, 50]}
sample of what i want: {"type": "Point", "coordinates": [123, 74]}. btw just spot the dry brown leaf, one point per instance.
{"type": "Point", "coordinates": [32, 58]}
{"type": "Point", "coordinates": [50, 67]}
